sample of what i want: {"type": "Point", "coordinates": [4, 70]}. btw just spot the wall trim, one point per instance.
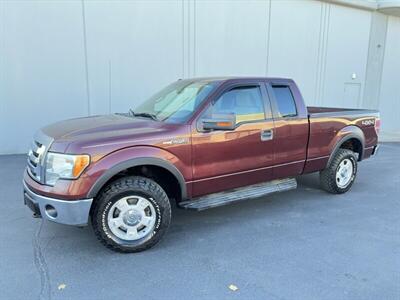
{"type": "Point", "coordinates": [387, 7]}
{"type": "Point", "coordinates": [363, 4]}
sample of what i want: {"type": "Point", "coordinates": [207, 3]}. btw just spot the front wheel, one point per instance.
{"type": "Point", "coordinates": [131, 214]}
{"type": "Point", "coordinates": [339, 176]}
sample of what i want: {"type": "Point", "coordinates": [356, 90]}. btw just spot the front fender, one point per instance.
{"type": "Point", "coordinates": [110, 165]}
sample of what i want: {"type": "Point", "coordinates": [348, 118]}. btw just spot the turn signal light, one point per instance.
{"type": "Point", "coordinates": [223, 124]}
{"type": "Point", "coordinates": [81, 162]}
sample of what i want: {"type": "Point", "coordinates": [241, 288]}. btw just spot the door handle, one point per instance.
{"type": "Point", "coordinates": [267, 135]}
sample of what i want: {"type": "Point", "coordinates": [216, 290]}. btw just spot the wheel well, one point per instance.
{"type": "Point", "coordinates": [163, 177]}
{"type": "Point", "coordinates": [354, 145]}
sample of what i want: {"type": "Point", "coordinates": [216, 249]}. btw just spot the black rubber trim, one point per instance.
{"type": "Point", "coordinates": [134, 163]}
{"type": "Point", "coordinates": [32, 205]}
{"type": "Point", "coordinates": [359, 136]}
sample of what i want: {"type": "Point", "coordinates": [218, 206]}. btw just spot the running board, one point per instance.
{"type": "Point", "coordinates": [239, 194]}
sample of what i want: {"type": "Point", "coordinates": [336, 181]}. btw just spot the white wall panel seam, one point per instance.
{"type": "Point", "coordinates": [383, 65]}
{"type": "Point", "coordinates": [325, 51]}
{"type": "Point", "coordinates": [367, 61]}
{"type": "Point", "coordinates": [268, 15]}
{"type": "Point", "coordinates": [183, 37]}
{"type": "Point", "coordinates": [322, 52]}
{"type": "Point", "coordinates": [319, 55]}
{"type": "Point", "coordinates": [2, 71]}
{"type": "Point", "coordinates": [2, 54]}
{"type": "Point", "coordinates": [109, 86]}
{"type": "Point", "coordinates": [362, 84]}
{"type": "Point", "coordinates": [86, 57]}
{"type": "Point", "coordinates": [194, 38]}
{"type": "Point", "coordinates": [189, 38]}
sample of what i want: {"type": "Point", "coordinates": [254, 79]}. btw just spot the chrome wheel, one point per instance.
{"type": "Point", "coordinates": [131, 218]}
{"type": "Point", "coordinates": [344, 173]}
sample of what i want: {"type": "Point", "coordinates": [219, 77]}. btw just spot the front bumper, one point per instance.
{"type": "Point", "coordinates": [69, 212]}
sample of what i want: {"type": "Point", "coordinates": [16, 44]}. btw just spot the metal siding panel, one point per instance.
{"type": "Point", "coordinates": [390, 91]}
{"type": "Point", "coordinates": [347, 52]}
{"type": "Point", "coordinates": [294, 43]}
{"type": "Point", "coordinates": [231, 38]}
{"type": "Point", "coordinates": [3, 132]}
{"type": "Point", "coordinates": [134, 49]}
{"type": "Point", "coordinates": [376, 53]}
{"type": "Point", "coordinates": [44, 79]}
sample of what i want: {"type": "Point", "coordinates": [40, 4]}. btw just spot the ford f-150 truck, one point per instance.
{"type": "Point", "coordinates": [198, 143]}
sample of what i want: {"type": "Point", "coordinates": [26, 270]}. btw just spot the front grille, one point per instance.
{"type": "Point", "coordinates": [36, 156]}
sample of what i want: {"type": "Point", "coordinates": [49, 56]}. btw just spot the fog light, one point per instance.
{"type": "Point", "coordinates": [51, 211]}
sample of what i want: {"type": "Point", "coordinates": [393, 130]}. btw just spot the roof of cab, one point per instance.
{"type": "Point", "coordinates": [236, 78]}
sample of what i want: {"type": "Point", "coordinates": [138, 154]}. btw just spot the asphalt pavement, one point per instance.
{"type": "Point", "coordinates": [302, 244]}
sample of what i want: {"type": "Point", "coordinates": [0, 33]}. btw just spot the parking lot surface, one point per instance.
{"type": "Point", "coordinates": [302, 244]}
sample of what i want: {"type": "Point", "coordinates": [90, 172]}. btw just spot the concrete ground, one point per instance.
{"type": "Point", "coordinates": [302, 244]}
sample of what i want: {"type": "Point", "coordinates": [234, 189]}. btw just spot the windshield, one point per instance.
{"type": "Point", "coordinates": [177, 102]}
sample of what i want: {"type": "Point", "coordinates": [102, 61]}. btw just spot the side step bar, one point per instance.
{"type": "Point", "coordinates": [243, 193]}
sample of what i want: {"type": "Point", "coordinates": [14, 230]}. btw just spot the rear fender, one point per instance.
{"type": "Point", "coordinates": [343, 135]}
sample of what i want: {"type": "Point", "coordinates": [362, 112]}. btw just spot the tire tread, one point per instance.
{"type": "Point", "coordinates": [328, 176]}
{"type": "Point", "coordinates": [119, 186]}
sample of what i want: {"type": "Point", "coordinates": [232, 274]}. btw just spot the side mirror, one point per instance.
{"type": "Point", "coordinates": [220, 122]}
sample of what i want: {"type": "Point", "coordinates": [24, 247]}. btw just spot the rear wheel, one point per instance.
{"type": "Point", "coordinates": [132, 214]}
{"type": "Point", "coordinates": [339, 176]}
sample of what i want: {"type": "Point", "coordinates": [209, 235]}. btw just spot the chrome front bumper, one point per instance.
{"type": "Point", "coordinates": [72, 212]}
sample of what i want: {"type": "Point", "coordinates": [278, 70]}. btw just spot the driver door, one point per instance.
{"type": "Point", "coordinates": [226, 159]}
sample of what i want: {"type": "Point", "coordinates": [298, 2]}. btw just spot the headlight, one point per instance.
{"type": "Point", "coordinates": [64, 166]}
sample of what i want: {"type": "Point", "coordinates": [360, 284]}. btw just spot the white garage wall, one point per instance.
{"type": "Point", "coordinates": [347, 52]}
{"type": "Point", "coordinates": [297, 28]}
{"type": "Point", "coordinates": [63, 59]}
{"type": "Point", "coordinates": [230, 38]}
{"type": "Point", "coordinates": [42, 68]}
{"type": "Point", "coordinates": [390, 89]}
{"type": "Point", "coordinates": [133, 49]}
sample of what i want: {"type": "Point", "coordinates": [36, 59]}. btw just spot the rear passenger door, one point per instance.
{"type": "Point", "coordinates": [291, 128]}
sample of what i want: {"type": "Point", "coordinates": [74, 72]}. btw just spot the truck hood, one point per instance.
{"type": "Point", "coordinates": [110, 131]}
{"type": "Point", "coordinates": [69, 129]}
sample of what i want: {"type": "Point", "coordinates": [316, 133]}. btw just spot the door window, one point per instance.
{"type": "Point", "coordinates": [245, 102]}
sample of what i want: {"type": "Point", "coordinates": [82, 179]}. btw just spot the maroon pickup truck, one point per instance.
{"type": "Point", "coordinates": [198, 143]}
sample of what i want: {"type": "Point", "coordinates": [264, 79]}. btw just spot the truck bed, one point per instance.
{"type": "Point", "coordinates": [327, 125]}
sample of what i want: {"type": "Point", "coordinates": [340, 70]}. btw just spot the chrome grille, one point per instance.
{"type": "Point", "coordinates": [36, 156]}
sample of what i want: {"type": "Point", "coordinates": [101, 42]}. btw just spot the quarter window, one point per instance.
{"type": "Point", "coordinates": [285, 101]}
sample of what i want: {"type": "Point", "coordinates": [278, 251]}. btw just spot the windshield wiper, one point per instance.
{"type": "Point", "coordinates": [144, 114]}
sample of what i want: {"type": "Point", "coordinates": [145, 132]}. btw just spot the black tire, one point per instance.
{"type": "Point", "coordinates": [328, 176]}
{"type": "Point", "coordinates": [131, 186]}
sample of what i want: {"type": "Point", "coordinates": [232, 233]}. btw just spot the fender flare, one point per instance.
{"type": "Point", "coordinates": [356, 133]}
{"type": "Point", "coordinates": [134, 162]}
